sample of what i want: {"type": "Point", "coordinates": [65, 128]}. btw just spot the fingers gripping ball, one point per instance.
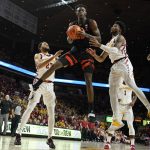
{"type": "Point", "coordinates": [72, 32]}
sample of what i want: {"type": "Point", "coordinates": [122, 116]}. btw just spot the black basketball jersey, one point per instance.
{"type": "Point", "coordinates": [83, 43]}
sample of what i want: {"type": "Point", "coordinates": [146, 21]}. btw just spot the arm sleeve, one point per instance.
{"type": "Point", "coordinates": [109, 49]}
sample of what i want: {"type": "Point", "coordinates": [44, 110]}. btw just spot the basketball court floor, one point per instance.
{"type": "Point", "coordinates": [28, 143]}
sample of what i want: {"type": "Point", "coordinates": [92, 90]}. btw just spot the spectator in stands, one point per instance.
{"type": "Point", "coordinates": [16, 115]}
{"type": "Point", "coordinates": [84, 129]}
{"type": "Point", "coordinates": [6, 106]}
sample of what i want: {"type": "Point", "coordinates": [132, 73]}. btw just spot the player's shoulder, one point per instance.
{"type": "Point", "coordinates": [38, 56]}
{"type": "Point", "coordinates": [91, 21]}
{"type": "Point", "coordinates": [121, 38]}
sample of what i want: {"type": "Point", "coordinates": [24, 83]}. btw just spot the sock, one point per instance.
{"type": "Point", "coordinates": [132, 141]}
{"type": "Point", "coordinates": [108, 139]}
{"type": "Point", "coordinates": [19, 131]}
{"type": "Point", "coordinates": [91, 107]}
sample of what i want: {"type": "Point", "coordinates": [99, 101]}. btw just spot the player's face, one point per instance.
{"type": "Point", "coordinates": [81, 12]}
{"type": "Point", "coordinates": [44, 47]}
{"type": "Point", "coordinates": [115, 29]}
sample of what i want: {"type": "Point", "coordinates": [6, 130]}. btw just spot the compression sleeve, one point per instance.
{"type": "Point", "coordinates": [109, 49]}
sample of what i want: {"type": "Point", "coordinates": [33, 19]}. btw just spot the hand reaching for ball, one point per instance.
{"type": "Point", "coordinates": [75, 32]}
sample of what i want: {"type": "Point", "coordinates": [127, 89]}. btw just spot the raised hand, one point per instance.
{"type": "Point", "coordinates": [58, 53]}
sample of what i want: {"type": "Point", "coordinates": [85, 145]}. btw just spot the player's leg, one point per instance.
{"type": "Point", "coordinates": [88, 68]}
{"type": "Point", "coordinates": [65, 60]}
{"type": "Point", "coordinates": [5, 123]}
{"type": "Point", "coordinates": [110, 133]}
{"type": "Point", "coordinates": [115, 80]}
{"type": "Point", "coordinates": [130, 118]}
{"type": "Point", "coordinates": [31, 105]}
{"type": "Point", "coordinates": [90, 92]}
{"type": "Point", "coordinates": [49, 100]}
{"type": "Point", "coordinates": [129, 80]}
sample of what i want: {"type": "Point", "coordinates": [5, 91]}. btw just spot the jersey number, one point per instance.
{"type": "Point", "coordinates": [47, 66]}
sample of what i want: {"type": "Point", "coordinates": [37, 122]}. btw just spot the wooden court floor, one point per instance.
{"type": "Point", "coordinates": [28, 143]}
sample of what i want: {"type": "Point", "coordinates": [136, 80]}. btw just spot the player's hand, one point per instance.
{"type": "Point", "coordinates": [148, 57]}
{"type": "Point", "coordinates": [94, 42]}
{"type": "Point", "coordinates": [58, 53]}
{"type": "Point", "coordinates": [91, 51]}
{"type": "Point", "coordinates": [131, 104]}
{"type": "Point", "coordinates": [81, 34]}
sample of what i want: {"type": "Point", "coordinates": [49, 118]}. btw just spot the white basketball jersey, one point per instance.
{"type": "Point", "coordinates": [41, 71]}
{"type": "Point", "coordinates": [125, 95]}
{"type": "Point", "coordinates": [121, 52]}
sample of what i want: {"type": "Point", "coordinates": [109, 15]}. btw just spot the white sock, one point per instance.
{"type": "Point", "coordinates": [132, 141]}
{"type": "Point", "coordinates": [19, 131]}
{"type": "Point", "coordinates": [109, 139]}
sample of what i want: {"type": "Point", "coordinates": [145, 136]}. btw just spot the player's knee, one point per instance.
{"type": "Point", "coordinates": [131, 129]}
{"type": "Point", "coordinates": [56, 65]}
{"type": "Point", "coordinates": [88, 82]}
{"type": "Point", "coordinates": [31, 106]}
{"type": "Point", "coordinates": [51, 111]}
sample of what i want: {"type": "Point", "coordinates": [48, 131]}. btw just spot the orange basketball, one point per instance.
{"type": "Point", "coordinates": [72, 32]}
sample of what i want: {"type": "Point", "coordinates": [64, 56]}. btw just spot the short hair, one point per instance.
{"type": "Point", "coordinates": [80, 5]}
{"type": "Point", "coordinates": [39, 45]}
{"type": "Point", "coordinates": [121, 25]}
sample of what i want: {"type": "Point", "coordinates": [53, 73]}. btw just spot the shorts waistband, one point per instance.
{"type": "Point", "coordinates": [46, 81]}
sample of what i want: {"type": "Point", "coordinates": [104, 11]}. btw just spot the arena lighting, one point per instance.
{"type": "Point", "coordinates": [66, 81]}
{"type": "Point", "coordinates": [61, 3]}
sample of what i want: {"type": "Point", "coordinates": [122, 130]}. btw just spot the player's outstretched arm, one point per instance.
{"type": "Point", "coordinates": [40, 64]}
{"type": "Point", "coordinates": [94, 42]}
{"type": "Point", "coordinates": [99, 58]}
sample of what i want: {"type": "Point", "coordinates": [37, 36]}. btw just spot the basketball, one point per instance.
{"type": "Point", "coordinates": [72, 32]}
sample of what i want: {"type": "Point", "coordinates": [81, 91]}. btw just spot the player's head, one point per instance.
{"type": "Point", "coordinates": [81, 11]}
{"type": "Point", "coordinates": [43, 47]}
{"type": "Point", "coordinates": [118, 28]}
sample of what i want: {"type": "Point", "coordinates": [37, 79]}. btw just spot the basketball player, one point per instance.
{"type": "Point", "coordinates": [78, 54]}
{"type": "Point", "coordinates": [148, 57]}
{"type": "Point", "coordinates": [43, 62]}
{"type": "Point", "coordinates": [121, 70]}
{"type": "Point", "coordinates": [126, 102]}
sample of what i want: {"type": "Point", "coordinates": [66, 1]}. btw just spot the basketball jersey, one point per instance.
{"type": "Point", "coordinates": [122, 52]}
{"type": "Point", "coordinates": [83, 43]}
{"type": "Point", "coordinates": [41, 71]}
{"type": "Point", "coordinates": [125, 94]}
